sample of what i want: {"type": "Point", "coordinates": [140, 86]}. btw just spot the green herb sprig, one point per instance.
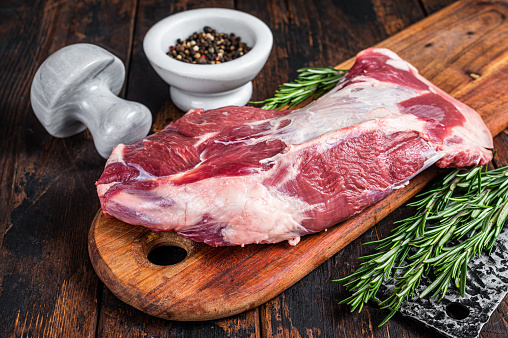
{"type": "Point", "coordinates": [458, 218]}
{"type": "Point", "coordinates": [311, 82]}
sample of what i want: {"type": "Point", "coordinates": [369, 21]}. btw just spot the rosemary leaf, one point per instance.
{"type": "Point", "coordinates": [311, 82]}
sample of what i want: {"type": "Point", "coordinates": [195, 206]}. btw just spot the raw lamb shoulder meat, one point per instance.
{"type": "Point", "coordinates": [240, 175]}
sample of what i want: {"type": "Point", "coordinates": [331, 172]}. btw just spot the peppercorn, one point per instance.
{"type": "Point", "coordinates": [208, 47]}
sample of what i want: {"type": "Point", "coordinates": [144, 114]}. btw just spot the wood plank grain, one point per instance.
{"type": "Point", "coordinates": [47, 286]}
{"type": "Point", "coordinates": [29, 181]}
{"type": "Point", "coordinates": [216, 282]}
{"type": "Point", "coordinates": [432, 6]}
{"type": "Point", "coordinates": [323, 33]}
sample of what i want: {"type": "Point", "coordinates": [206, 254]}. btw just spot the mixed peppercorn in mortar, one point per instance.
{"type": "Point", "coordinates": [208, 47]}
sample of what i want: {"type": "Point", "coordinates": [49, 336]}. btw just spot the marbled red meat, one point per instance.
{"type": "Point", "coordinates": [241, 175]}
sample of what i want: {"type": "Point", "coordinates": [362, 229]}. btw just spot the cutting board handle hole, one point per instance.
{"type": "Point", "coordinates": [457, 311]}
{"type": "Point", "coordinates": [165, 255]}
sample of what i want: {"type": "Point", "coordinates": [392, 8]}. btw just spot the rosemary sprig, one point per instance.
{"type": "Point", "coordinates": [311, 82]}
{"type": "Point", "coordinates": [456, 220]}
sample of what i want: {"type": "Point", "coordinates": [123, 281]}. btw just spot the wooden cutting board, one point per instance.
{"type": "Point", "coordinates": [463, 49]}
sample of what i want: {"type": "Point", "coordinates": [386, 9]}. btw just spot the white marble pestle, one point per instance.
{"type": "Point", "coordinates": [77, 87]}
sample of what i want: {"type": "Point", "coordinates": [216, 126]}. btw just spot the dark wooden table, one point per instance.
{"type": "Point", "coordinates": [47, 195]}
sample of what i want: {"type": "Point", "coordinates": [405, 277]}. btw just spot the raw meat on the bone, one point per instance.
{"type": "Point", "coordinates": [241, 175]}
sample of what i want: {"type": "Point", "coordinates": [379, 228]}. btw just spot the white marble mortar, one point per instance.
{"type": "Point", "coordinates": [208, 86]}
